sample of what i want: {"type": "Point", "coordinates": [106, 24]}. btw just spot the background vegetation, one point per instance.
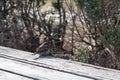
{"type": "Point", "coordinates": [81, 30]}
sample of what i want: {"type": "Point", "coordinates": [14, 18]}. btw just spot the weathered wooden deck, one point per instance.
{"type": "Point", "coordinates": [21, 65]}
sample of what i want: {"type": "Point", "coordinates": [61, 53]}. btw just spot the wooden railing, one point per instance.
{"type": "Point", "coordinates": [21, 65]}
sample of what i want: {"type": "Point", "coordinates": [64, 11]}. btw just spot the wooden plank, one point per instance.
{"type": "Point", "coordinates": [35, 72]}
{"type": "Point", "coordinates": [5, 75]}
{"type": "Point", "coordinates": [61, 66]}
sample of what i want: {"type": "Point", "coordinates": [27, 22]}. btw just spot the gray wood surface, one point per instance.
{"type": "Point", "coordinates": [21, 65]}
